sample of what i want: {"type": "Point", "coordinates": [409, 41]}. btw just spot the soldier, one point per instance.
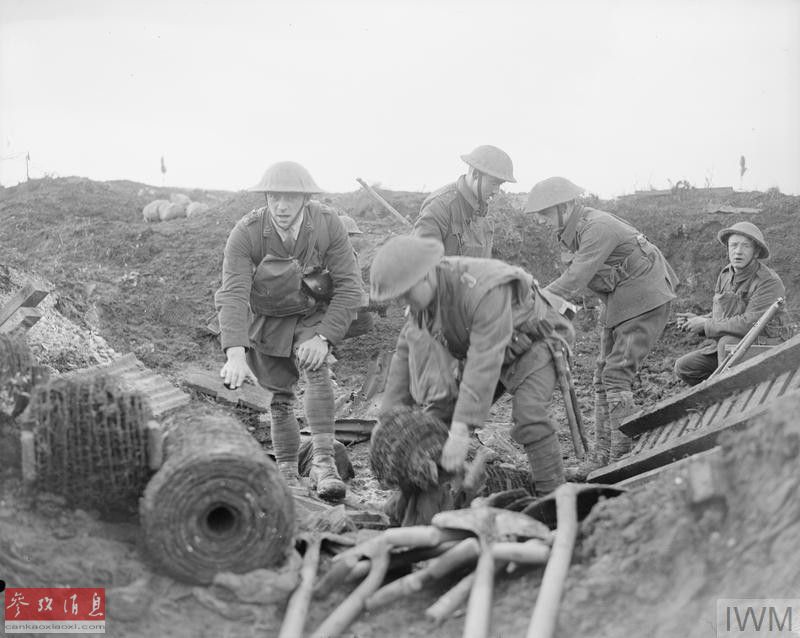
{"type": "Point", "coordinates": [290, 287]}
{"type": "Point", "coordinates": [490, 321]}
{"type": "Point", "coordinates": [636, 284]}
{"type": "Point", "coordinates": [744, 290]}
{"type": "Point", "coordinates": [456, 214]}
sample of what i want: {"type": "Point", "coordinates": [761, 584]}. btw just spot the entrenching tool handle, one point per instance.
{"type": "Point", "coordinates": [295, 617]}
{"type": "Point", "coordinates": [545, 612]}
{"type": "Point", "coordinates": [532, 552]}
{"type": "Point", "coordinates": [570, 403]}
{"type": "Point", "coordinates": [462, 554]}
{"type": "Point", "coordinates": [479, 607]}
{"type": "Point", "coordinates": [344, 615]}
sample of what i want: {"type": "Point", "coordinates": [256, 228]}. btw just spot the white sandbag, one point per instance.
{"type": "Point", "coordinates": [151, 211]}
{"type": "Point", "coordinates": [171, 211]}
{"type": "Point", "coordinates": [196, 208]}
{"type": "Point", "coordinates": [180, 198]}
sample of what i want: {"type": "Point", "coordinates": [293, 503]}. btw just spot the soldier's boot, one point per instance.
{"type": "Point", "coordinates": [547, 468]}
{"type": "Point", "coordinates": [620, 407]}
{"type": "Point", "coordinates": [285, 435]}
{"type": "Point", "coordinates": [598, 456]}
{"type": "Point", "coordinates": [324, 475]}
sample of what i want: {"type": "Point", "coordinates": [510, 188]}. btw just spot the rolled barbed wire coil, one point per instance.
{"type": "Point", "coordinates": [90, 441]}
{"type": "Point", "coordinates": [218, 503]}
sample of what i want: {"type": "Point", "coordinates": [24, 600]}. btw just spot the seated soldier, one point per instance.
{"type": "Point", "coordinates": [745, 289]}
{"type": "Point", "coordinates": [476, 328]}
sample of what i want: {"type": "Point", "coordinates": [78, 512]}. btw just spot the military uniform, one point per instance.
{"type": "Point", "coordinates": [453, 216]}
{"type": "Point", "coordinates": [611, 258]}
{"type": "Point", "coordinates": [740, 298]}
{"type": "Point", "coordinates": [265, 306]}
{"type": "Point", "coordinates": [482, 307]}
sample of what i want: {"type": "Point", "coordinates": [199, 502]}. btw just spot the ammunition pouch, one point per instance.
{"type": "Point", "coordinates": [277, 288]}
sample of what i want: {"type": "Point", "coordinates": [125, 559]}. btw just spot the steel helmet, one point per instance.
{"type": "Point", "coordinates": [400, 263]}
{"type": "Point", "coordinates": [550, 192]}
{"type": "Point", "coordinates": [749, 230]}
{"type": "Point", "coordinates": [350, 225]}
{"type": "Point", "coordinates": [492, 161]}
{"type": "Point", "coordinates": [286, 177]}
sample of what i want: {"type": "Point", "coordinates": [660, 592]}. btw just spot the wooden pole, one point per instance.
{"type": "Point", "coordinates": [382, 201]}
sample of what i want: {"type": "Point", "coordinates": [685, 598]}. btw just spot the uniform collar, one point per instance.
{"type": "Point", "coordinates": [567, 234]}
{"type": "Point", "coordinates": [293, 230]}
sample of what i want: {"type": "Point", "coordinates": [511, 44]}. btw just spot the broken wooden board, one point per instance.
{"type": "Point", "coordinates": [775, 362]}
{"type": "Point", "coordinates": [159, 393]}
{"type": "Point", "coordinates": [692, 421]}
{"type": "Point", "coordinates": [25, 297]}
{"type": "Point", "coordinates": [22, 319]}
{"type": "Point", "coordinates": [732, 210]}
{"type": "Point", "coordinates": [210, 384]}
{"type": "Point", "coordinates": [349, 430]}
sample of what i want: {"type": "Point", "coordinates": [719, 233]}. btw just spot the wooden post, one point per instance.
{"type": "Point", "coordinates": [382, 201]}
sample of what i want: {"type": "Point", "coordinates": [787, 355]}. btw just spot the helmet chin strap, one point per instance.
{"type": "Point", "coordinates": [481, 203]}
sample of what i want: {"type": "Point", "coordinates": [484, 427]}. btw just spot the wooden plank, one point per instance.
{"type": "Point", "coordinates": [25, 297]}
{"type": "Point", "coordinates": [785, 356]}
{"type": "Point", "coordinates": [675, 466]}
{"type": "Point", "coordinates": [210, 383]}
{"type": "Point", "coordinates": [689, 444]}
{"type": "Point", "coordinates": [23, 319]}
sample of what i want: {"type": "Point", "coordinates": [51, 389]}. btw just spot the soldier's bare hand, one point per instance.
{"type": "Point", "coordinates": [311, 353]}
{"type": "Point", "coordinates": [454, 452]}
{"type": "Point", "coordinates": [695, 324]}
{"type": "Point", "coordinates": [236, 372]}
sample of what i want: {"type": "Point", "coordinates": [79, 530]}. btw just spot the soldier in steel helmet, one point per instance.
{"type": "Point", "coordinates": [613, 259]}
{"type": "Point", "coordinates": [290, 286]}
{"type": "Point", "coordinates": [745, 288]}
{"type": "Point", "coordinates": [456, 214]}
{"type": "Point", "coordinates": [476, 328]}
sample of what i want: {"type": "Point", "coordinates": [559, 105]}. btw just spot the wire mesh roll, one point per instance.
{"type": "Point", "coordinates": [90, 442]}
{"type": "Point", "coordinates": [16, 366]}
{"type": "Point", "coordinates": [218, 503]}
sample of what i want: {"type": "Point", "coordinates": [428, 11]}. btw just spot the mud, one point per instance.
{"type": "Point", "coordinates": [645, 562]}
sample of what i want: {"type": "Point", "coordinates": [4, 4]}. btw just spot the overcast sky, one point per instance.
{"type": "Point", "coordinates": [615, 95]}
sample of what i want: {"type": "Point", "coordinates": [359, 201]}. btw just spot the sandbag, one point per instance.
{"type": "Point", "coordinates": [151, 212]}
{"type": "Point", "coordinates": [196, 208]}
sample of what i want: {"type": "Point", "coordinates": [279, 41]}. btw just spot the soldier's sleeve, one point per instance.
{"type": "Point", "coordinates": [431, 223]}
{"type": "Point", "coordinates": [347, 286]}
{"type": "Point", "coordinates": [597, 242]}
{"type": "Point", "coordinates": [398, 382]}
{"type": "Point", "coordinates": [765, 294]}
{"type": "Point", "coordinates": [490, 332]}
{"type": "Point", "coordinates": [232, 300]}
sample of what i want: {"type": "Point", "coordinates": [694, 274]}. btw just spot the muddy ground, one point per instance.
{"type": "Point", "coordinates": [647, 560]}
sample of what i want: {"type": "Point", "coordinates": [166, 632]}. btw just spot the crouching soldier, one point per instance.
{"type": "Point", "coordinates": [745, 288]}
{"type": "Point", "coordinates": [476, 327]}
{"type": "Point", "coordinates": [289, 290]}
{"type": "Point", "coordinates": [636, 284]}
